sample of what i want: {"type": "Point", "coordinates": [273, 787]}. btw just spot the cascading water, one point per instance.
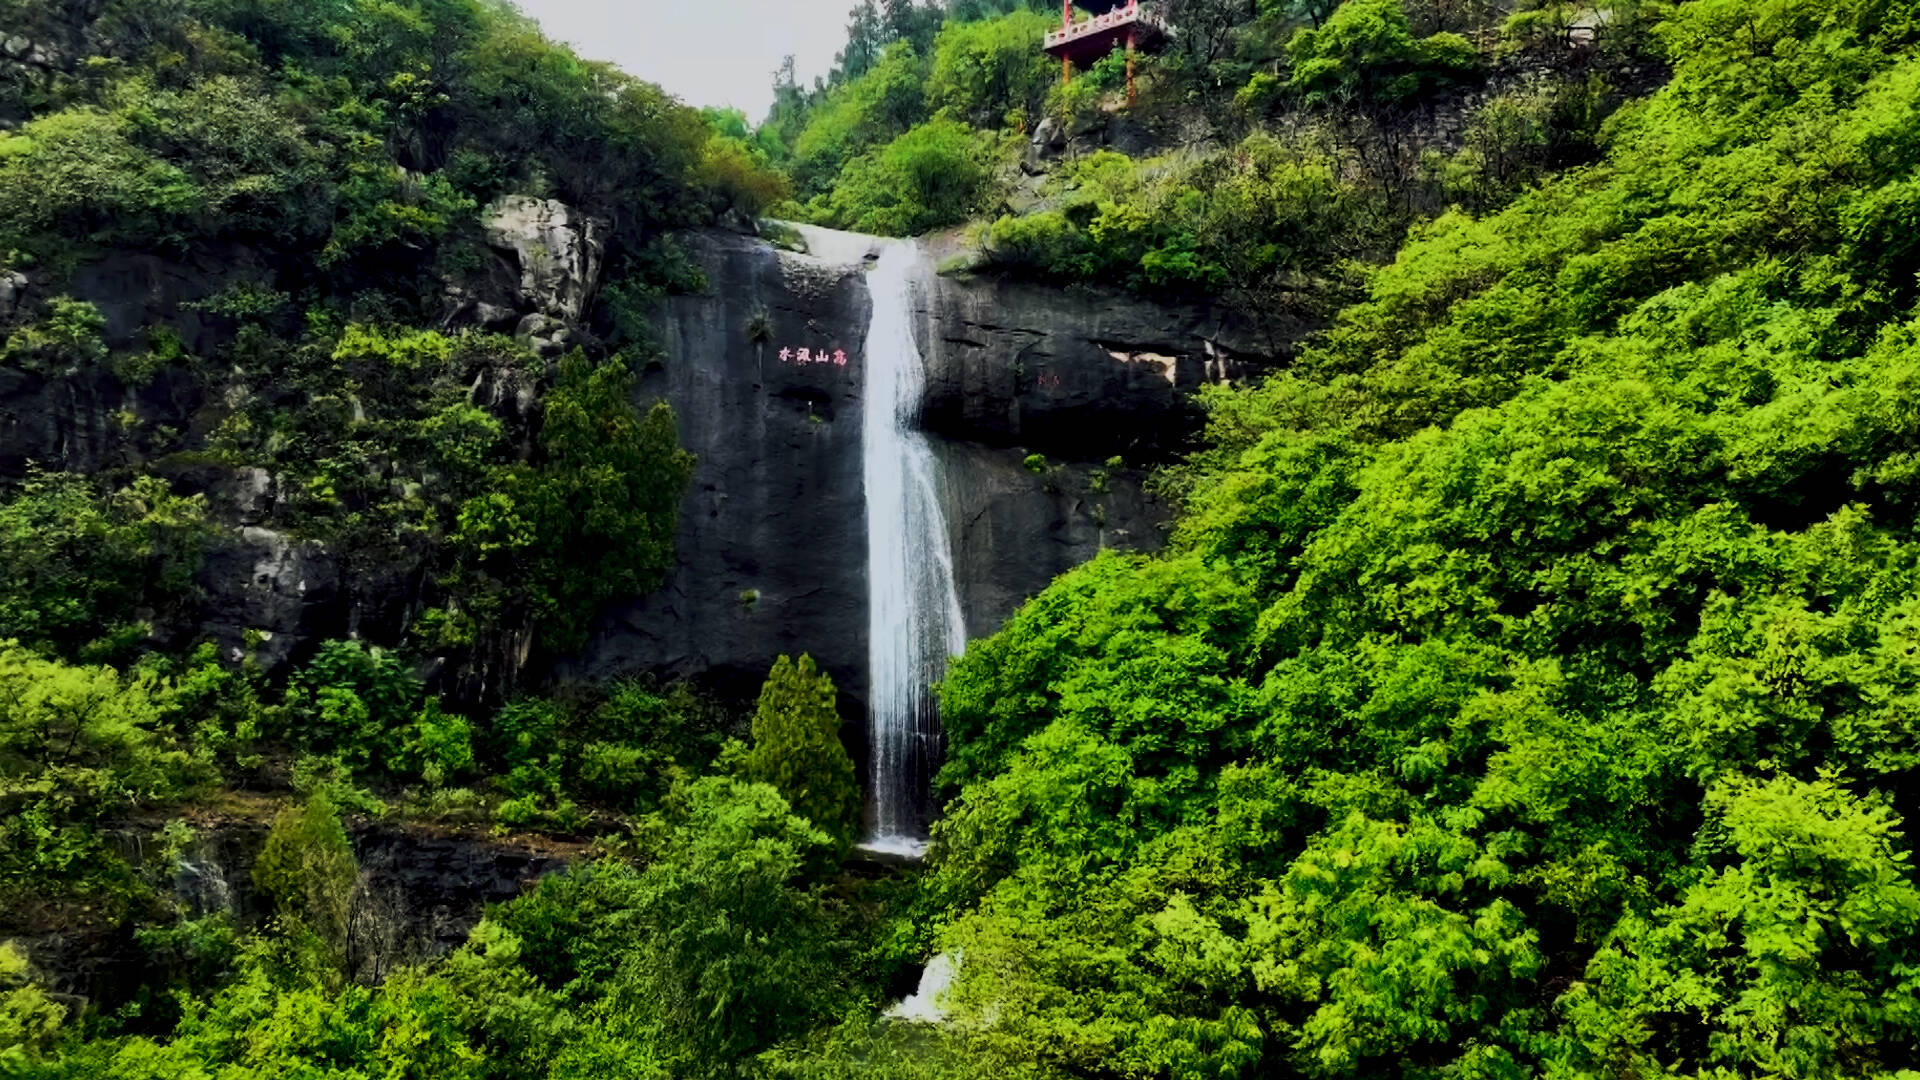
{"type": "Point", "coordinates": [914, 622]}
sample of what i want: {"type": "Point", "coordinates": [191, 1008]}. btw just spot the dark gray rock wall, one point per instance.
{"type": "Point", "coordinates": [772, 541]}
{"type": "Point", "coordinates": [1080, 373]}
{"type": "Point", "coordinates": [1014, 530]}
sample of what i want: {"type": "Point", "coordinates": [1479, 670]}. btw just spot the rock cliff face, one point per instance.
{"type": "Point", "coordinates": [773, 533]}
{"type": "Point", "coordinates": [772, 542]}
{"type": "Point", "coordinates": [1082, 373]}
{"type": "Point", "coordinates": [421, 890]}
{"type": "Point", "coordinates": [1031, 392]}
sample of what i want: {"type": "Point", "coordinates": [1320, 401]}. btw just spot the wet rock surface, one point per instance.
{"type": "Point", "coordinates": [1015, 528]}
{"type": "Point", "coordinates": [772, 537]}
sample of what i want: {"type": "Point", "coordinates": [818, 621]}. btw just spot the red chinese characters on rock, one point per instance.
{"type": "Point", "coordinates": [805, 355]}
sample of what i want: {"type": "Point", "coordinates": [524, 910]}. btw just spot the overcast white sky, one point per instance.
{"type": "Point", "coordinates": [707, 52]}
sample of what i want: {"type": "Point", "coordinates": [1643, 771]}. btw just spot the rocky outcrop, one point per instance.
{"type": "Point", "coordinates": [422, 889]}
{"type": "Point", "coordinates": [1015, 527]}
{"type": "Point", "coordinates": [13, 290]}
{"type": "Point", "coordinates": [1031, 390]}
{"type": "Point", "coordinates": [772, 541]}
{"type": "Point", "coordinates": [269, 595]}
{"type": "Point", "coordinates": [1081, 373]}
{"type": "Point", "coordinates": [557, 249]}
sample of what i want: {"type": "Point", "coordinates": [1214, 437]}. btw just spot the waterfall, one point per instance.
{"type": "Point", "coordinates": [926, 1006]}
{"type": "Point", "coordinates": [914, 623]}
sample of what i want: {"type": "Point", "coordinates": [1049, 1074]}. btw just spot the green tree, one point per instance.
{"type": "Point", "coordinates": [1366, 53]}
{"type": "Point", "coordinates": [934, 175]}
{"type": "Point", "coordinates": [1798, 949]}
{"type": "Point", "coordinates": [307, 866]}
{"type": "Point", "coordinates": [594, 519]}
{"type": "Point", "coordinates": [28, 1020]}
{"type": "Point", "coordinates": [985, 71]}
{"type": "Point", "coordinates": [725, 931]}
{"type": "Point", "coordinates": [878, 106]}
{"type": "Point", "coordinates": [797, 748]}
{"type": "Point", "coordinates": [77, 568]}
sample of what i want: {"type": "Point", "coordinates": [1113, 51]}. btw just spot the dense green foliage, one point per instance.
{"type": "Point", "coordinates": [313, 176]}
{"type": "Point", "coordinates": [797, 749]}
{"type": "Point", "coordinates": [77, 570]}
{"type": "Point", "coordinates": [686, 968]}
{"type": "Point", "coordinates": [1526, 691]}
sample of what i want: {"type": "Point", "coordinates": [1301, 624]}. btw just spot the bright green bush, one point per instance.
{"type": "Point", "coordinates": [353, 702]}
{"type": "Point", "coordinates": [78, 569]}
{"type": "Point", "coordinates": [28, 1020]}
{"type": "Point", "coordinates": [880, 105]}
{"type": "Point", "coordinates": [725, 932]}
{"type": "Point", "coordinates": [983, 71]}
{"type": "Point", "coordinates": [935, 175]}
{"type": "Point", "coordinates": [1518, 696]}
{"type": "Point", "coordinates": [1366, 53]}
{"type": "Point", "coordinates": [308, 868]}
{"type": "Point", "coordinates": [78, 746]}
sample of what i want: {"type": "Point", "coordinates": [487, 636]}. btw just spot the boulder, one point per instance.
{"type": "Point", "coordinates": [558, 250]}
{"type": "Point", "coordinates": [13, 290]}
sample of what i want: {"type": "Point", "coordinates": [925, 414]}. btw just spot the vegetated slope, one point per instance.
{"type": "Point", "coordinates": [1251, 161]}
{"type": "Point", "coordinates": [281, 204]}
{"type": "Point", "coordinates": [1531, 688]}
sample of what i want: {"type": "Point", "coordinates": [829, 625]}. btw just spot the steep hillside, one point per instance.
{"type": "Point", "coordinates": [1527, 687]}
{"type": "Point", "coordinates": [1528, 692]}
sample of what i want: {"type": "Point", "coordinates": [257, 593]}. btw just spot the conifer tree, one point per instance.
{"type": "Point", "coordinates": [797, 748]}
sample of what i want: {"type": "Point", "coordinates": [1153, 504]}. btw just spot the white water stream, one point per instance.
{"type": "Point", "coordinates": [914, 622]}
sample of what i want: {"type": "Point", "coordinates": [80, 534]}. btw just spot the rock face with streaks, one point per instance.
{"type": "Point", "coordinates": [1080, 373]}
{"type": "Point", "coordinates": [772, 541]}
{"type": "Point", "coordinates": [1031, 394]}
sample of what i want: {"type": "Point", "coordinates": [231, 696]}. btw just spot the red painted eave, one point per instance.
{"type": "Point", "coordinates": [1087, 41]}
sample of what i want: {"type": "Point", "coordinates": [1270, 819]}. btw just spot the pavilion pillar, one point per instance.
{"type": "Point", "coordinates": [1131, 94]}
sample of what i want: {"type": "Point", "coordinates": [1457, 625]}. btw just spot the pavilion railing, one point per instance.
{"type": "Point", "coordinates": [1131, 15]}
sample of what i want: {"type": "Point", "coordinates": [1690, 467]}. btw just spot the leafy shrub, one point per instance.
{"type": "Point", "coordinates": [880, 105]}
{"type": "Point", "coordinates": [934, 175]}
{"type": "Point", "coordinates": [1365, 52]}
{"type": "Point", "coordinates": [355, 702]}
{"type": "Point", "coordinates": [308, 868]}
{"type": "Point", "coordinates": [724, 934]}
{"type": "Point", "coordinates": [797, 749]}
{"type": "Point", "coordinates": [78, 569]}
{"type": "Point", "coordinates": [28, 1019]}
{"type": "Point", "coordinates": [71, 334]}
{"type": "Point", "coordinates": [77, 746]}
{"type": "Point", "coordinates": [984, 70]}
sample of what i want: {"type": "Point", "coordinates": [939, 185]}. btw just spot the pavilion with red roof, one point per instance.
{"type": "Point", "coordinates": [1114, 24]}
